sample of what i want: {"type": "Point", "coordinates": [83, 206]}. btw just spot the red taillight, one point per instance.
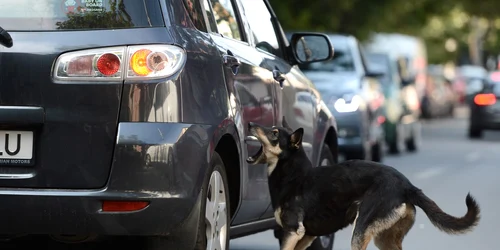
{"type": "Point", "coordinates": [485, 99]}
{"type": "Point", "coordinates": [115, 64]}
{"type": "Point", "coordinates": [80, 66]}
{"type": "Point", "coordinates": [108, 64]}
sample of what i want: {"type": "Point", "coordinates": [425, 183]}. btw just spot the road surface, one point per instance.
{"type": "Point", "coordinates": [447, 167]}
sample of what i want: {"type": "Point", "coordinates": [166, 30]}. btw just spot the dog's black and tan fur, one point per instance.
{"type": "Point", "coordinates": [377, 199]}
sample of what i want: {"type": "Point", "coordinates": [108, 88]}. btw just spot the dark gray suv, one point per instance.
{"type": "Point", "coordinates": [129, 118]}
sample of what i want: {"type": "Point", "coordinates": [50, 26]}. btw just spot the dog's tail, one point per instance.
{"type": "Point", "coordinates": [443, 221]}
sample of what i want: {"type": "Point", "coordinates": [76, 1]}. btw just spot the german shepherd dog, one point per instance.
{"type": "Point", "coordinates": [313, 201]}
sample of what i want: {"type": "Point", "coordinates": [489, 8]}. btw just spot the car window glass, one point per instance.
{"type": "Point", "coordinates": [79, 14]}
{"type": "Point", "coordinates": [363, 57]}
{"type": "Point", "coordinates": [496, 89]}
{"type": "Point", "coordinates": [261, 27]}
{"type": "Point", "coordinates": [210, 15]}
{"type": "Point", "coordinates": [380, 63]}
{"type": "Point", "coordinates": [196, 13]}
{"type": "Point", "coordinates": [245, 97]}
{"type": "Point", "coordinates": [227, 25]}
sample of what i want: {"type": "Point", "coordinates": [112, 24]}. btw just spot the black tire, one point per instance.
{"type": "Point", "coordinates": [217, 165]}
{"type": "Point", "coordinates": [377, 152]}
{"type": "Point", "coordinates": [475, 132]}
{"type": "Point", "coordinates": [326, 242]}
{"type": "Point", "coordinates": [412, 143]}
{"type": "Point", "coordinates": [451, 111]}
{"type": "Point", "coordinates": [322, 243]}
{"type": "Point", "coordinates": [359, 154]}
{"type": "Point", "coordinates": [148, 160]}
{"type": "Point", "coordinates": [396, 146]}
{"type": "Point", "coordinates": [355, 156]}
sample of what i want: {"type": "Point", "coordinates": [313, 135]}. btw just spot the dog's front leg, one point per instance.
{"type": "Point", "coordinates": [305, 242]}
{"type": "Point", "coordinates": [292, 237]}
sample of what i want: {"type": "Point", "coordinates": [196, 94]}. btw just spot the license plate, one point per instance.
{"type": "Point", "coordinates": [16, 148]}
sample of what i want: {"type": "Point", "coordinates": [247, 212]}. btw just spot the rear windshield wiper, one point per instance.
{"type": "Point", "coordinates": [5, 38]}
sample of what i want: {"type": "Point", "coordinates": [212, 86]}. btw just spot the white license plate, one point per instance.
{"type": "Point", "coordinates": [16, 147]}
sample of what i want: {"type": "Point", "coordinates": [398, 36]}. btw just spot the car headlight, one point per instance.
{"type": "Point", "coordinates": [344, 105]}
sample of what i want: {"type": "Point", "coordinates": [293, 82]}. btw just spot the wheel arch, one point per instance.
{"type": "Point", "coordinates": [226, 144]}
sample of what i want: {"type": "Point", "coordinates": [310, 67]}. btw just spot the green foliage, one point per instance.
{"type": "Point", "coordinates": [434, 21]}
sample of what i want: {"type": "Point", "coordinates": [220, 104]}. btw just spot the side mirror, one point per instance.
{"type": "Point", "coordinates": [310, 47]}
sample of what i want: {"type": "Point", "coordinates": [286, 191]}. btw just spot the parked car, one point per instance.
{"type": "Point", "coordinates": [473, 76]}
{"type": "Point", "coordinates": [439, 100]}
{"type": "Point", "coordinates": [485, 108]}
{"type": "Point", "coordinates": [129, 118]}
{"type": "Point", "coordinates": [354, 95]}
{"type": "Point", "coordinates": [411, 48]}
{"type": "Point", "coordinates": [402, 127]}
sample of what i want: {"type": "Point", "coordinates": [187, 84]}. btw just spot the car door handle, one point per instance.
{"type": "Point", "coordinates": [231, 62]}
{"type": "Point", "coordinates": [279, 77]}
{"type": "Point", "coordinates": [252, 140]}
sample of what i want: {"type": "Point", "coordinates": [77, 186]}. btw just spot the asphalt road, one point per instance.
{"type": "Point", "coordinates": [447, 167]}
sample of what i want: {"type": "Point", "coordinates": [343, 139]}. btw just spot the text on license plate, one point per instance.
{"type": "Point", "coordinates": [16, 147]}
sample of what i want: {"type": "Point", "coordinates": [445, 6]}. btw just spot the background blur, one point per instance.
{"type": "Point", "coordinates": [454, 31]}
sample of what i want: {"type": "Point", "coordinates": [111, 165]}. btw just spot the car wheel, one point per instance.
{"type": "Point", "coordinates": [475, 132]}
{"type": "Point", "coordinates": [213, 229]}
{"type": "Point", "coordinates": [148, 160]}
{"type": "Point", "coordinates": [451, 111]}
{"type": "Point", "coordinates": [324, 242]}
{"type": "Point", "coordinates": [213, 225]}
{"type": "Point", "coordinates": [363, 153]}
{"type": "Point", "coordinates": [413, 143]}
{"type": "Point", "coordinates": [396, 146]}
{"type": "Point", "coordinates": [377, 152]}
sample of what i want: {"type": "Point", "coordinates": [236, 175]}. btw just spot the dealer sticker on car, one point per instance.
{"type": "Point", "coordinates": [16, 148]}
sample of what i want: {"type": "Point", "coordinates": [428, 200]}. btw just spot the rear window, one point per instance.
{"type": "Point", "coordinates": [79, 14]}
{"type": "Point", "coordinates": [378, 62]}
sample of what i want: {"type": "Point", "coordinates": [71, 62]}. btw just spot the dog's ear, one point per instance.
{"type": "Point", "coordinates": [296, 138]}
{"type": "Point", "coordinates": [285, 124]}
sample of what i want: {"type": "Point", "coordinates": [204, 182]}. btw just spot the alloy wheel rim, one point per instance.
{"type": "Point", "coordinates": [325, 241]}
{"type": "Point", "coordinates": [216, 213]}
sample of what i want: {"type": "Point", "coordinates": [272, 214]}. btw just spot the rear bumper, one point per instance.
{"type": "Point", "coordinates": [152, 162]}
{"type": "Point", "coordinates": [485, 117]}
{"type": "Point", "coordinates": [350, 131]}
{"type": "Point", "coordinates": [78, 213]}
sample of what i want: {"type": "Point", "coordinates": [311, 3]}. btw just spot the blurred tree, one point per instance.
{"type": "Point", "coordinates": [468, 22]}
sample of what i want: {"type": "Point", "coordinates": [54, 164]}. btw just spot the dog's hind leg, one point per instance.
{"type": "Point", "coordinates": [292, 238]}
{"type": "Point", "coordinates": [372, 220]}
{"type": "Point", "coordinates": [392, 238]}
{"type": "Point", "coordinates": [305, 242]}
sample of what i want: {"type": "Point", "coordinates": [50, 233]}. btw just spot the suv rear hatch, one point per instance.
{"type": "Point", "coordinates": [62, 134]}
